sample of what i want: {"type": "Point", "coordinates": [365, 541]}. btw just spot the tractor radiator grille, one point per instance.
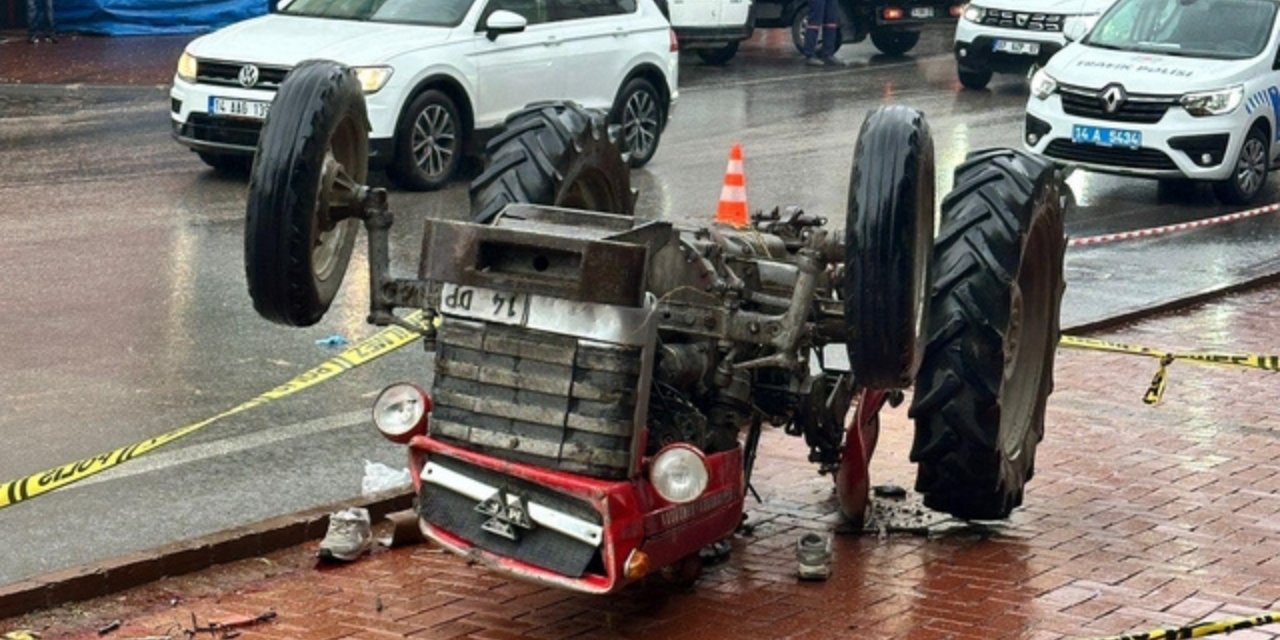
{"type": "Point", "coordinates": [528, 396]}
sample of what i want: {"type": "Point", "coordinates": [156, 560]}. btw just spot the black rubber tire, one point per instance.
{"type": "Point", "coordinates": [227, 163]}
{"type": "Point", "coordinates": [798, 22]}
{"type": "Point", "coordinates": [895, 43]}
{"type": "Point", "coordinates": [557, 154]}
{"type": "Point", "coordinates": [996, 283]}
{"type": "Point", "coordinates": [319, 104]}
{"type": "Point", "coordinates": [640, 90]}
{"type": "Point", "coordinates": [1232, 191]}
{"type": "Point", "coordinates": [974, 79]}
{"type": "Point", "coordinates": [888, 239]}
{"type": "Point", "coordinates": [719, 55]}
{"type": "Point", "coordinates": [404, 168]}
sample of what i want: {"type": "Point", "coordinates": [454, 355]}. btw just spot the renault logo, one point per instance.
{"type": "Point", "coordinates": [1112, 98]}
{"type": "Point", "coordinates": [248, 75]}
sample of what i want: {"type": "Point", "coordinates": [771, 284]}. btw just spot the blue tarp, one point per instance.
{"type": "Point", "coordinates": [152, 17]}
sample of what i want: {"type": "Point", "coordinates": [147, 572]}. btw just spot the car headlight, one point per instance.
{"type": "Point", "coordinates": [373, 78]}
{"type": "Point", "coordinates": [679, 473]}
{"type": "Point", "coordinates": [1080, 24]}
{"type": "Point", "coordinates": [974, 13]}
{"type": "Point", "coordinates": [400, 412]}
{"type": "Point", "coordinates": [1213, 103]}
{"type": "Point", "coordinates": [187, 67]}
{"type": "Point", "coordinates": [1043, 85]}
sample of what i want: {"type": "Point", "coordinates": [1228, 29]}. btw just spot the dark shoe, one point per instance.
{"type": "Point", "coordinates": [33, 39]}
{"type": "Point", "coordinates": [813, 62]}
{"type": "Point", "coordinates": [832, 61]}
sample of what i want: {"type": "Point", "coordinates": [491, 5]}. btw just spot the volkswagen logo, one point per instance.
{"type": "Point", "coordinates": [248, 75]}
{"type": "Point", "coordinates": [1112, 98]}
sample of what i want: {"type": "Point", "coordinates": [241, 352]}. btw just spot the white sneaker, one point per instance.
{"type": "Point", "coordinates": [813, 553]}
{"type": "Point", "coordinates": [349, 536]}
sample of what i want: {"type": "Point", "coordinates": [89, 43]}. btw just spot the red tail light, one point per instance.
{"type": "Point", "coordinates": [893, 13]}
{"type": "Point", "coordinates": [675, 43]}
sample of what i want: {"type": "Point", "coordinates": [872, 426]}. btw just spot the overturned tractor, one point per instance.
{"type": "Point", "coordinates": [601, 381]}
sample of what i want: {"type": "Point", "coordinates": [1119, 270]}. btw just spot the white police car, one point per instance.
{"type": "Point", "coordinates": [1012, 36]}
{"type": "Point", "coordinates": [1167, 89]}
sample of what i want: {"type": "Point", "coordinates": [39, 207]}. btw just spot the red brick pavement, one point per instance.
{"type": "Point", "coordinates": [1138, 517]}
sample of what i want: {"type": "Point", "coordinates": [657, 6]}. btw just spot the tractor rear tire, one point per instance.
{"type": "Point", "coordinates": [293, 263]}
{"type": "Point", "coordinates": [556, 154]}
{"type": "Point", "coordinates": [888, 238]}
{"type": "Point", "coordinates": [993, 329]}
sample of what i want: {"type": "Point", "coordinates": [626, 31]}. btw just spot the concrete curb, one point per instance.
{"type": "Point", "coordinates": [135, 569]}
{"type": "Point", "coordinates": [1130, 316]}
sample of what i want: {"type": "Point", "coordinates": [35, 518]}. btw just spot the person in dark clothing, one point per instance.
{"type": "Point", "coordinates": [824, 18]}
{"type": "Point", "coordinates": [38, 12]}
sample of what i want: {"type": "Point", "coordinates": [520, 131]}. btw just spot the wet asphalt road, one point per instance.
{"type": "Point", "coordinates": [125, 312]}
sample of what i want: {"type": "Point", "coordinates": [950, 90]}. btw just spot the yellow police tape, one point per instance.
{"type": "Point", "coordinates": [1202, 629]}
{"type": "Point", "coordinates": [364, 351]}
{"type": "Point", "coordinates": [1155, 392]}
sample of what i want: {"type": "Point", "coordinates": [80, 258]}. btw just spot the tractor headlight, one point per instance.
{"type": "Point", "coordinates": [187, 67]}
{"type": "Point", "coordinates": [679, 473]}
{"type": "Point", "coordinates": [373, 78]}
{"type": "Point", "coordinates": [1043, 85]}
{"type": "Point", "coordinates": [1213, 103]}
{"type": "Point", "coordinates": [974, 13]}
{"type": "Point", "coordinates": [400, 412]}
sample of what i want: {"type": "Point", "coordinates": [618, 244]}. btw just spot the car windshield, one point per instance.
{"type": "Point", "coordinates": [1223, 29]}
{"type": "Point", "coordinates": [443, 13]}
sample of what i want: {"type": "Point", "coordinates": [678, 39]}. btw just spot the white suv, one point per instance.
{"type": "Point", "coordinates": [1013, 36]}
{"type": "Point", "coordinates": [1164, 89]}
{"type": "Point", "coordinates": [438, 76]}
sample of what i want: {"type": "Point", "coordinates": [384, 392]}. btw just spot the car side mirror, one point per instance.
{"type": "Point", "coordinates": [1076, 30]}
{"type": "Point", "coordinates": [503, 21]}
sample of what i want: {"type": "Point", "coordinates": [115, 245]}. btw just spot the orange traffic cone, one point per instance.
{"type": "Point", "coordinates": [733, 196]}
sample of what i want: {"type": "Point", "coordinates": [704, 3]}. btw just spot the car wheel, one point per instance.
{"type": "Point", "coordinates": [972, 79]}
{"type": "Point", "coordinates": [428, 143]}
{"type": "Point", "coordinates": [297, 242]}
{"type": "Point", "coordinates": [640, 111]}
{"type": "Point", "coordinates": [718, 55]}
{"type": "Point", "coordinates": [553, 154]}
{"type": "Point", "coordinates": [888, 239]}
{"type": "Point", "coordinates": [798, 25]}
{"type": "Point", "coordinates": [992, 323]}
{"type": "Point", "coordinates": [1250, 173]}
{"type": "Point", "coordinates": [227, 163]}
{"type": "Point", "coordinates": [895, 43]}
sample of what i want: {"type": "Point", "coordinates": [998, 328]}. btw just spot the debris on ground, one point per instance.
{"type": "Point", "coordinates": [109, 627]}
{"type": "Point", "coordinates": [404, 530]}
{"type": "Point", "coordinates": [332, 341]}
{"type": "Point", "coordinates": [889, 491]}
{"type": "Point", "coordinates": [379, 477]}
{"type": "Point", "coordinates": [227, 629]}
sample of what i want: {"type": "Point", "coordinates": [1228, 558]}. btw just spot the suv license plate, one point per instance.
{"type": "Point", "coordinates": [922, 12]}
{"type": "Point", "coordinates": [235, 108]}
{"type": "Point", "coordinates": [1017, 48]}
{"type": "Point", "coordinates": [1106, 137]}
{"type": "Point", "coordinates": [479, 303]}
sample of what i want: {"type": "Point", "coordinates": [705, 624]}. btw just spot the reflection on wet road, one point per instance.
{"type": "Point", "coordinates": [125, 311]}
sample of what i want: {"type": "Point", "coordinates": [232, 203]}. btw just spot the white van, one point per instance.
{"type": "Point", "coordinates": [711, 29]}
{"type": "Point", "coordinates": [1013, 36]}
{"type": "Point", "coordinates": [1167, 89]}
